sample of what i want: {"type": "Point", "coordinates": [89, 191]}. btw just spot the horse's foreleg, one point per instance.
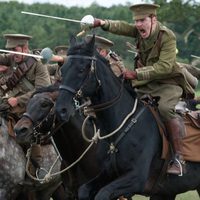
{"type": "Point", "coordinates": [198, 191]}
{"type": "Point", "coordinates": [88, 191]}
{"type": "Point", "coordinates": [161, 197]}
{"type": "Point", "coordinates": [128, 185]}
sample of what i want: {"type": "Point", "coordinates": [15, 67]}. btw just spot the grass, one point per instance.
{"type": "Point", "coordinates": [191, 195]}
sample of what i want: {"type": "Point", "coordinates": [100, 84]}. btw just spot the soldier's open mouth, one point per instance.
{"type": "Point", "coordinates": [142, 32]}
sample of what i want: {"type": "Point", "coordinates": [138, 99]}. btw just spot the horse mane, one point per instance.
{"type": "Point", "coordinates": [78, 48]}
{"type": "Point", "coordinates": [50, 88]}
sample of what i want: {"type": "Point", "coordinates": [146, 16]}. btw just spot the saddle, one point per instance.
{"type": "Point", "coordinates": [191, 141]}
{"type": "Point", "coordinates": [194, 117]}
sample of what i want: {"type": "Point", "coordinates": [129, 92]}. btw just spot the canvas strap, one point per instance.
{"type": "Point", "coordinates": [19, 73]}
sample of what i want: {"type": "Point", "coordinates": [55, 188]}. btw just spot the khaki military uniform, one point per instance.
{"type": "Point", "coordinates": [55, 73]}
{"type": "Point", "coordinates": [159, 74]}
{"type": "Point", "coordinates": [115, 60]}
{"type": "Point", "coordinates": [37, 76]}
{"type": "Point", "coordinates": [116, 63]}
{"type": "Point", "coordinates": [55, 69]}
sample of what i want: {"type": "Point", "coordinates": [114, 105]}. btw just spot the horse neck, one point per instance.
{"type": "Point", "coordinates": [72, 134]}
{"type": "Point", "coordinates": [111, 117]}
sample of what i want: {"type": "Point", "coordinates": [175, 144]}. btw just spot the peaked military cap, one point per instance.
{"type": "Point", "coordinates": [140, 11]}
{"type": "Point", "coordinates": [14, 40]}
{"type": "Point", "coordinates": [101, 42]}
{"type": "Point", "coordinates": [61, 50]}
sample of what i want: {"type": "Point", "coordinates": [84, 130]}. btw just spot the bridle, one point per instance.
{"type": "Point", "coordinates": [78, 93]}
{"type": "Point", "coordinates": [92, 70]}
{"type": "Point", "coordinates": [38, 124]}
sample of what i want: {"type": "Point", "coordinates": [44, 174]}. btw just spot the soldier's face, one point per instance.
{"type": "Point", "coordinates": [18, 58]}
{"type": "Point", "coordinates": [145, 26]}
{"type": "Point", "coordinates": [103, 52]}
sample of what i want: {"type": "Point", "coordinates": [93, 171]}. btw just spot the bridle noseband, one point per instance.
{"type": "Point", "coordinates": [78, 93]}
{"type": "Point", "coordinates": [92, 69]}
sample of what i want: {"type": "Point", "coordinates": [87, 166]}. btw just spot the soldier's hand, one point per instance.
{"type": "Point", "coordinates": [89, 21]}
{"type": "Point", "coordinates": [3, 68]}
{"type": "Point", "coordinates": [130, 75]}
{"type": "Point", "coordinates": [13, 101]}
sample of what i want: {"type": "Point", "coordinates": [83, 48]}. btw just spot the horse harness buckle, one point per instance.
{"type": "Point", "coordinates": [112, 148]}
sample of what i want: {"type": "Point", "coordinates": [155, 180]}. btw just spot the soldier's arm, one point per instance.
{"type": "Point", "coordinates": [5, 59]}
{"type": "Point", "coordinates": [3, 68]}
{"type": "Point", "coordinates": [119, 28]}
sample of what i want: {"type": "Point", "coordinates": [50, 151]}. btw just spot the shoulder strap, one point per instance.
{"type": "Point", "coordinates": [138, 61]}
{"type": "Point", "coordinates": [159, 39]}
{"type": "Point", "coordinates": [19, 73]}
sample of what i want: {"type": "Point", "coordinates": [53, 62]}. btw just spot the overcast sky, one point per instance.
{"type": "Point", "coordinates": [83, 3]}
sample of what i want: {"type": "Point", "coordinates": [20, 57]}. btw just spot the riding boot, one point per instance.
{"type": "Point", "coordinates": [176, 130]}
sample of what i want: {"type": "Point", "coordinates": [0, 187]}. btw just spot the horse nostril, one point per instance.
{"type": "Point", "coordinates": [63, 111]}
{"type": "Point", "coordinates": [20, 131]}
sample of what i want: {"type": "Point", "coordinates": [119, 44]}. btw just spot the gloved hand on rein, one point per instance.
{"type": "Point", "coordinates": [130, 75]}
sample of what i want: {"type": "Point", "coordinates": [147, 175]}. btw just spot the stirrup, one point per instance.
{"type": "Point", "coordinates": [180, 164]}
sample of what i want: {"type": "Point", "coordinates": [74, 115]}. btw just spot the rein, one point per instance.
{"type": "Point", "coordinates": [97, 135]}
{"type": "Point", "coordinates": [49, 175]}
{"type": "Point", "coordinates": [93, 66]}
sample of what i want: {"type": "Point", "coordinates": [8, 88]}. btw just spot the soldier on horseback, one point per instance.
{"type": "Point", "coordinates": [156, 70]}
{"type": "Point", "coordinates": [103, 46]}
{"type": "Point", "coordinates": [27, 74]}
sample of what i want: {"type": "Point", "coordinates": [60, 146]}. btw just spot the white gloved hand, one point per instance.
{"type": "Point", "coordinates": [88, 22]}
{"type": "Point", "coordinates": [47, 54]}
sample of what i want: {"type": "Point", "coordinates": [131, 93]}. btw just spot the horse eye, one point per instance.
{"type": "Point", "coordinates": [81, 70]}
{"type": "Point", "coordinates": [44, 104]}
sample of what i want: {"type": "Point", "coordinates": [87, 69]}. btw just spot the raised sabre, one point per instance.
{"type": "Point", "coordinates": [21, 53]}
{"type": "Point", "coordinates": [86, 22]}
{"type": "Point", "coordinates": [52, 17]}
{"type": "Point", "coordinates": [45, 55]}
{"type": "Point", "coordinates": [198, 57]}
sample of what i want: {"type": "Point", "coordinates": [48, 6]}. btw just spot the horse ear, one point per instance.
{"type": "Point", "coordinates": [91, 43]}
{"type": "Point", "coordinates": [72, 40]}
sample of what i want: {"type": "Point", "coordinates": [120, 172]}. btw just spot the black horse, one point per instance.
{"type": "Point", "coordinates": [130, 145]}
{"type": "Point", "coordinates": [67, 137]}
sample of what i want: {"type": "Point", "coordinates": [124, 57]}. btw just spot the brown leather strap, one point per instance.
{"type": "Point", "coordinates": [19, 73]}
{"type": "Point", "coordinates": [156, 178]}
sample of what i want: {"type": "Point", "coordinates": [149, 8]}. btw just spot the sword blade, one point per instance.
{"type": "Point", "coordinates": [49, 16]}
{"type": "Point", "coordinates": [198, 57]}
{"type": "Point", "coordinates": [20, 53]}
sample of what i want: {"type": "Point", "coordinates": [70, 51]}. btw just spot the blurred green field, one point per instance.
{"type": "Point", "coordinates": [192, 195]}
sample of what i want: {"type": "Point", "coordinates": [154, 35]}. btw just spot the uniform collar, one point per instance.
{"type": "Point", "coordinates": [148, 43]}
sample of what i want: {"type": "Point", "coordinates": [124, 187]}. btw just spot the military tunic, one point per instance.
{"type": "Point", "coordinates": [55, 73]}
{"type": "Point", "coordinates": [159, 75]}
{"type": "Point", "coordinates": [37, 76]}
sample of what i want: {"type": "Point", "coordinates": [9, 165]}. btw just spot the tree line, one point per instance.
{"type": "Point", "coordinates": [181, 16]}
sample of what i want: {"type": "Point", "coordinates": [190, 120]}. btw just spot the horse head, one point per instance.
{"type": "Point", "coordinates": [80, 77]}
{"type": "Point", "coordinates": [38, 116]}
